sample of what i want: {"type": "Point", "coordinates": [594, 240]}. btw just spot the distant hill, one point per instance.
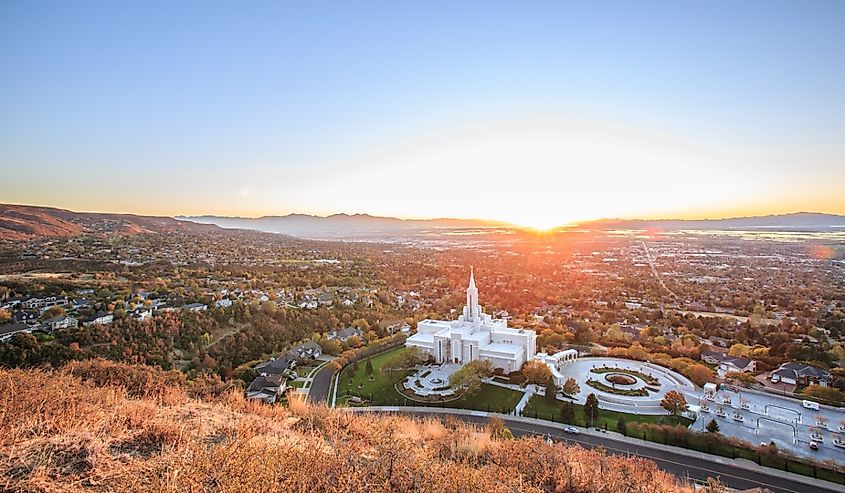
{"type": "Point", "coordinates": [337, 224]}
{"type": "Point", "coordinates": [21, 222]}
{"type": "Point", "coordinates": [798, 221]}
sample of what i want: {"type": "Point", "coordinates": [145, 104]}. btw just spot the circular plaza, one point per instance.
{"type": "Point", "coordinates": [621, 384]}
{"type": "Point", "coordinates": [429, 382]}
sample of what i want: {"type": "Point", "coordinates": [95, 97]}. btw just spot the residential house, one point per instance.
{"type": "Point", "coordinates": [195, 307]}
{"type": "Point", "coordinates": [61, 322]}
{"type": "Point", "coordinates": [325, 299]}
{"type": "Point", "coordinates": [224, 303]}
{"type": "Point", "coordinates": [267, 388]}
{"type": "Point", "coordinates": [275, 366]}
{"type": "Point", "coordinates": [398, 327]}
{"type": "Point", "coordinates": [141, 314]}
{"type": "Point", "coordinates": [157, 304]}
{"type": "Point", "coordinates": [309, 349]}
{"type": "Point", "coordinates": [795, 373]}
{"type": "Point", "coordinates": [29, 318]}
{"type": "Point", "coordinates": [8, 330]}
{"type": "Point", "coordinates": [79, 303]}
{"type": "Point", "coordinates": [726, 363]}
{"type": "Point", "coordinates": [43, 303]}
{"type": "Point", "coordinates": [344, 334]}
{"type": "Point", "coordinates": [99, 318]}
{"type": "Point", "coordinates": [718, 341]}
{"type": "Point", "coordinates": [633, 332]}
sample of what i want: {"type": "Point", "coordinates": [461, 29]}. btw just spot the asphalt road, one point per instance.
{"type": "Point", "coordinates": [674, 461]}
{"type": "Point", "coordinates": [319, 390]}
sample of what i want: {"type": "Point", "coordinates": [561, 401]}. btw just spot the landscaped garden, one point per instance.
{"type": "Point", "coordinates": [380, 389]}
{"type": "Point", "coordinates": [650, 380]}
{"type": "Point", "coordinates": [611, 390]}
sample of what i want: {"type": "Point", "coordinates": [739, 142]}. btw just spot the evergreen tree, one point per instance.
{"type": "Point", "coordinates": [369, 368]}
{"type": "Point", "coordinates": [622, 425]}
{"type": "Point", "coordinates": [567, 412]}
{"type": "Point", "coordinates": [713, 426]}
{"type": "Point", "coordinates": [591, 409]}
{"type": "Point", "coordinates": [551, 390]}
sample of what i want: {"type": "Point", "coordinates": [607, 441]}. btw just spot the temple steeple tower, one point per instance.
{"type": "Point", "coordinates": [472, 298]}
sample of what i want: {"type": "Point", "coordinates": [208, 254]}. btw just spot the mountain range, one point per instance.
{"type": "Point", "coordinates": [20, 222]}
{"type": "Point", "coordinates": [338, 224]}
{"type": "Point", "coordinates": [797, 221]}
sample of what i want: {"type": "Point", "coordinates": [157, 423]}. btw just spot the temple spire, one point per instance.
{"type": "Point", "coordinates": [474, 312]}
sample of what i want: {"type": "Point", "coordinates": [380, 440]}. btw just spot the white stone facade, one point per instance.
{"type": "Point", "coordinates": [475, 335]}
{"type": "Point", "coordinates": [556, 363]}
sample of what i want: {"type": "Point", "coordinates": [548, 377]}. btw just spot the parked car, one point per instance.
{"type": "Point", "coordinates": [571, 429]}
{"type": "Point", "coordinates": [814, 445]}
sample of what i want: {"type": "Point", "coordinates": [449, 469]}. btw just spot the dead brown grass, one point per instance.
{"type": "Point", "coordinates": [82, 429]}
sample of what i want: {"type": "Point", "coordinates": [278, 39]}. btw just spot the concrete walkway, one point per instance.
{"type": "Point", "coordinates": [529, 392]}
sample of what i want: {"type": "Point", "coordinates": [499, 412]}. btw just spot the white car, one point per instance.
{"type": "Point", "coordinates": [572, 429]}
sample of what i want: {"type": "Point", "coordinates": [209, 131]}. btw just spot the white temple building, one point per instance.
{"type": "Point", "coordinates": [475, 335]}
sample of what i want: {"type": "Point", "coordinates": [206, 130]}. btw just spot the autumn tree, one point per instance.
{"type": "Point", "coordinates": [536, 372]}
{"type": "Point", "coordinates": [497, 429]}
{"type": "Point", "coordinates": [408, 357]}
{"type": "Point", "coordinates": [674, 402]}
{"type": "Point", "coordinates": [827, 394]}
{"type": "Point", "coordinates": [469, 376]}
{"type": "Point", "coordinates": [330, 347]}
{"type": "Point", "coordinates": [699, 374]}
{"type": "Point", "coordinates": [571, 387]}
{"type": "Point", "coordinates": [54, 311]}
{"type": "Point", "coordinates": [743, 378]}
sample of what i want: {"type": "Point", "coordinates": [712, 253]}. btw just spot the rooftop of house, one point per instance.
{"type": "Point", "coordinates": [801, 370]}
{"type": "Point", "coordinates": [275, 366]}
{"type": "Point", "coordinates": [12, 328]}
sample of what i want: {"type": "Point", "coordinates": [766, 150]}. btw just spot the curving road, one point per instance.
{"type": "Point", "coordinates": [680, 462]}
{"type": "Point", "coordinates": [319, 390]}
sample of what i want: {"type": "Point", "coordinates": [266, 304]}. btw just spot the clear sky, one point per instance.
{"type": "Point", "coordinates": [539, 113]}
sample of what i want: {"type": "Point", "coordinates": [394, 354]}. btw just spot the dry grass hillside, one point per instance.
{"type": "Point", "coordinates": [21, 222]}
{"type": "Point", "coordinates": [100, 426]}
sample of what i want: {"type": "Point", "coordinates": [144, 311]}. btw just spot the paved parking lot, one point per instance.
{"type": "Point", "coordinates": [769, 418]}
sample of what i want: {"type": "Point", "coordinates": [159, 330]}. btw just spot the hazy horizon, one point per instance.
{"type": "Point", "coordinates": [425, 218]}
{"type": "Point", "coordinates": [539, 116]}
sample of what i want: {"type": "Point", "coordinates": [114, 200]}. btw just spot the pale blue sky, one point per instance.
{"type": "Point", "coordinates": [273, 107]}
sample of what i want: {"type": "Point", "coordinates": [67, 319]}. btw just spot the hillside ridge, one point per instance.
{"type": "Point", "coordinates": [102, 426]}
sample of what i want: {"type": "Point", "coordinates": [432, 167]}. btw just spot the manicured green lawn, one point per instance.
{"type": "Point", "coordinates": [296, 383]}
{"type": "Point", "coordinates": [380, 391]}
{"type": "Point", "coordinates": [540, 408]}
{"type": "Point", "coordinates": [380, 388]}
{"type": "Point", "coordinates": [489, 398]}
